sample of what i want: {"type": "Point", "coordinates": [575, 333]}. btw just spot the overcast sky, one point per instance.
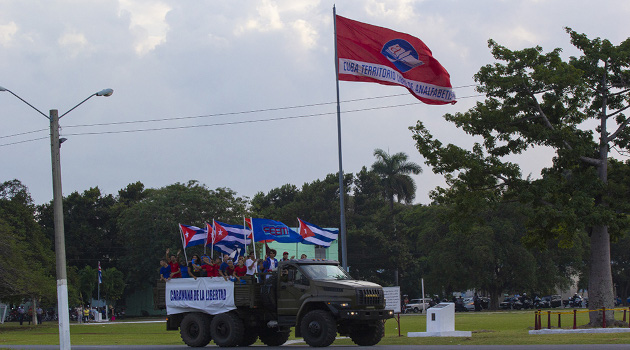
{"type": "Point", "coordinates": [203, 71]}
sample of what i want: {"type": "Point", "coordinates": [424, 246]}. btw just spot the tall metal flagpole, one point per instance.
{"type": "Point", "coordinates": [213, 234]}
{"type": "Point", "coordinates": [251, 221]}
{"type": "Point", "coordinates": [344, 248]}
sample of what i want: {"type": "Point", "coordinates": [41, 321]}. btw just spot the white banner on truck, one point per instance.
{"type": "Point", "coordinates": [212, 295]}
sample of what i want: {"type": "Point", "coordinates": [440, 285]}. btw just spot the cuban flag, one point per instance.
{"type": "Point", "coordinates": [380, 55]}
{"type": "Point", "coordinates": [265, 230]}
{"type": "Point", "coordinates": [100, 273]}
{"type": "Point", "coordinates": [193, 235]}
{"type": "Point", "coordinates": [230, 239]}
{"type": "Point", "coordinates": [316, 235]}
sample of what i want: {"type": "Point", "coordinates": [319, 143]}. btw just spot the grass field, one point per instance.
{"type": "Point", "coordinates": [488, 328]}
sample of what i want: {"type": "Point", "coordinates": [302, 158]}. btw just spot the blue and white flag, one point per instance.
{"type": "Point", "coordinates": [312, 234]}
{"type": "Point", "coordinates": [265, 229]}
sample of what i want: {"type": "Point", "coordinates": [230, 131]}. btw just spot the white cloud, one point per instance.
{"type": "Point", "coordinates": [267, 18]}
{"type": "Point", "coordinates": [518, 37]}
{"type": "Point", "coordinates": [399, 9]}
{"type": "Point", "coordinates": [147, 22]}
{"type": "Point", "coordinates": [7, 32]}
{"type": "Point", "coordinates": [306, 32]}
{"type": "Point", "coordinates": [74, 43]}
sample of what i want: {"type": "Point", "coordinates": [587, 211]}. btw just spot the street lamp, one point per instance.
{"type": "Point", "coordinates": [60, 245]}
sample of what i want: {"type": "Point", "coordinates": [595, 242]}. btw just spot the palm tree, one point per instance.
{"type": "Point", "coordinates": [394, 172]}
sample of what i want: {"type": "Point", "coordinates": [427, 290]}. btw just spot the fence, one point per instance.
{"type": "Point", "coordinates": [538, 316]}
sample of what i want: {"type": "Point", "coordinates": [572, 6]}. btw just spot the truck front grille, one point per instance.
{"type": "Point", "coordinates": [370, 297]}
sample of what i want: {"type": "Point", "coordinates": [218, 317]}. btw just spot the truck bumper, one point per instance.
{"type": "Point", "coordinates": [365, 314]}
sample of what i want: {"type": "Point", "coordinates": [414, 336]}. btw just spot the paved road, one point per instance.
{"type": "Point", "coordinates": [378, 347]}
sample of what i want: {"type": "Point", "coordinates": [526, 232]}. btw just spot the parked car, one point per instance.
{"type": "Point", "coordinates": [469, 304]}
{"type": "Point", "coordinates": [512, 303]}
{"type": "Point", "coordinates": [417, 305]}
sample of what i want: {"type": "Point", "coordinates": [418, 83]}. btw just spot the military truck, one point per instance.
{"type": "Point", "coordinates": [317, 297]}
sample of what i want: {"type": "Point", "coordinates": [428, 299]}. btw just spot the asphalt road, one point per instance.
{"type": "Point", "coordinates": [377, 347]}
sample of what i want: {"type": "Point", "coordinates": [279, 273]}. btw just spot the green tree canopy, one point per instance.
{"type": "Point", "coordinates": [27, 266]}
{"type": "Point", "coordinates": [538, 99]}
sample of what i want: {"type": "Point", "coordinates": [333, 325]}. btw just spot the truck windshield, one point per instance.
{"type": "Point", "coordinates": [325, 272]}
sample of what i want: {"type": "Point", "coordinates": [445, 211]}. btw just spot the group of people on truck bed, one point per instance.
{"type": "Point", "coordinates": [174, 267]}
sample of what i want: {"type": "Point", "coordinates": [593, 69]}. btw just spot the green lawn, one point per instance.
{"type": "Point", "coordinates": [494, 328]}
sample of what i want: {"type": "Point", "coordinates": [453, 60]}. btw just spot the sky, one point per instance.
{"type": "Point", "coordinates": [241, 94]}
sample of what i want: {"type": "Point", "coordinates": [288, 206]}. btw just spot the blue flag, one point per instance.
{"type": "Point", "coordinates": [265, 229]}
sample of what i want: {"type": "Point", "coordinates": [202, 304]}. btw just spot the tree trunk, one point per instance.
{"type": "Point", "coordinates": [600, 284]}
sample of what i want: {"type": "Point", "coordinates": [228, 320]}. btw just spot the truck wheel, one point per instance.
{"type": "Point", "coordinates": [195, 330]}
{"type": "Point", "coordinates": [416, 310]}
{"type": "Point", "coordinates": [273, 337]}
{"type": "Point", "coordinates": [250, 336]}
{"type": "Point", "coordinates": [227, 329]}
{"type": "Point", "coordinates": [318, 328]}
{"type": "Point", "coordinates": [368, 335]}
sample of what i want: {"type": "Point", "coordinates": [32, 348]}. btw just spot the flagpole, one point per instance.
{"type": "Point", "coordinates": [99, 282]}
{"type": "Point", "coordinates": [251, 221]}
{"type": "Point", "coordinates": [342, 221]}
{"type": "Point", "coordinates": [212, 246]}
{"type": "Point", "coordinates": [244, 236]}
{"type": "Point", "coordinates": [205, 244]}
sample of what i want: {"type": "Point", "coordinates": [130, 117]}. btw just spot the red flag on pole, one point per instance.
{"type": "Point", "coordinates": [380, 55]}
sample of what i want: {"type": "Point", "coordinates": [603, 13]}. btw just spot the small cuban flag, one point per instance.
{"type": "Point", "coordinates": [100, 273]}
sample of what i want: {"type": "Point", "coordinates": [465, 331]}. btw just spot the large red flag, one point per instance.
{"type": "Point", "coordinates": [380, 55]}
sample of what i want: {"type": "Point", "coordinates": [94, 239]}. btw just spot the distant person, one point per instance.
{"type": "Point", "coordinates": [194, 267]}
{"type": "Point", "coordinates": [21, 312]}
{"type": "Point", "coordinates": [183, 268]}
{"type": "Point", "coordinates": [303, 256]}
{"type": "Point", "coordinates": [208, 266]}
{"type": "Point", "coordinates": [229, 271]}
{"type": "Point", "coordinates": [172, 262]}
{"type": "Point", "coordinates": [271, 263]}
{"type": "Point", "coordinates": [165, 271]}
{"type": "Point", "coordinates": [40, 313]}
{"type": "Point", "coordinates": [285, 256]}
{"type": "Point", "coordinates": [251, 265]}
{"type": "Point", "coordinates": [240, 270]}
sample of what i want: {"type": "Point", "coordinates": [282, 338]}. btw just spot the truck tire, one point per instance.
{"type": "Point", "coordinates": [195, 330]}
{"type": "Point", "coordinates": [318, 328]}
{"type": "Point", "coordinates": [250, 336]}
{"type": "Point", "coordinates": [368, 335]}
{"type": "Point", "coordinates": [227, 329]}
{"type": "Point", "coordinates": [273, 337]}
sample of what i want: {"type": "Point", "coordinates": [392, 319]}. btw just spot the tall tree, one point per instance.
{"type": "Point", "coordinates": [394, 172]}
{"type": "Point", "coordinates": [26, 256]}
{"type": "Point", "coordinates": [535, 99]}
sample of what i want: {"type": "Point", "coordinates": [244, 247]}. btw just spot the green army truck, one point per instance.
{"type": "Point", "coordinates": [316, 297]}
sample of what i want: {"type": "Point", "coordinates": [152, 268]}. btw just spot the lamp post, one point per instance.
{"type": "Point", "coordinates": [60, 245]}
